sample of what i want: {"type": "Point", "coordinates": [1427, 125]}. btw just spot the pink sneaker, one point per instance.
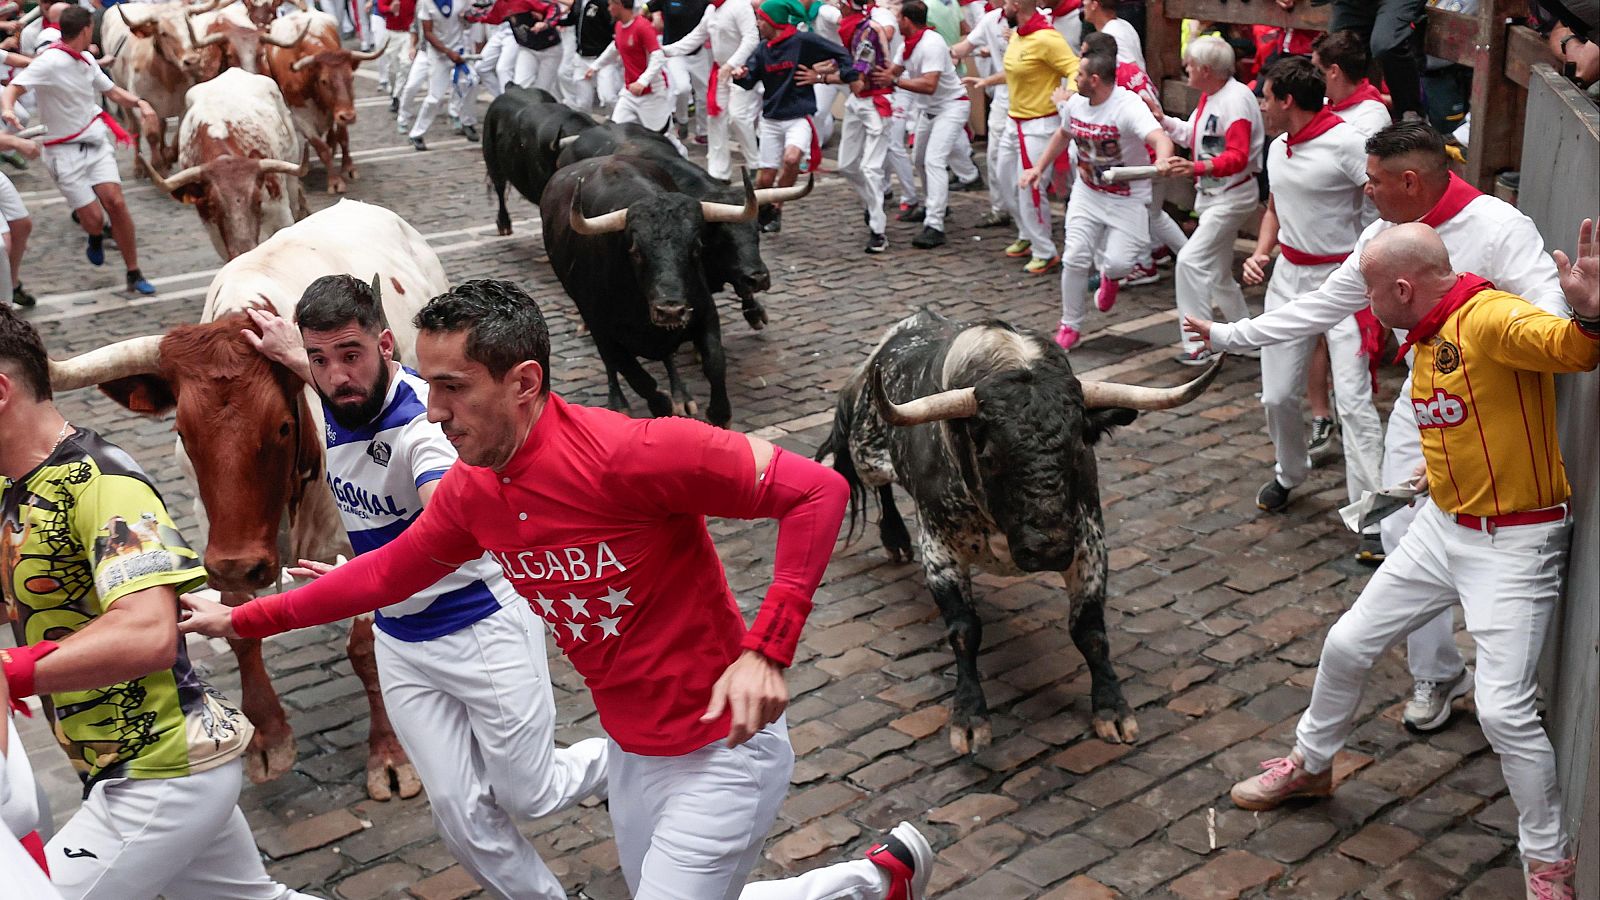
{"type": "Point", "coordinates": [1552, 881]}
{"type": "Point", "coordinates": [1280, 780]}
{"type": "Point", "coordinates": [1106, 296]}
{"type": "Point", "coordinates": [1067, 336]}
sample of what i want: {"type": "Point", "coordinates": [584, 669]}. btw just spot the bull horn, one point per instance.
{"type": "Point", "coordinates": [134, 356]}
{"type": "Point", "coordinates": [176, 182]}
{"type": "Point", "coordinates": [367, 56]}
{"type": "Point", "coordinates": [561, 143]}
{"type": "Point", "coordinates": [727, 212]}
{"type": "Point", "coordinates": [267, 38]}
{"type": "Point", "coordinates": [282, 167]}
{"type": "Point", "coordinates": [605, 223]}
{"type": "Point", "coordinates": [198, 41]}
{"type": "Point", "coordinates": [1104, 394]}
{"type": "Point", "coordinates": [300, 64]}
{"type": "Point", "coordinates": [204, 6]}
{"type": "Point", "coordinates": [765, 196]}
{"type": "Point", "coordinates": [961, 403]}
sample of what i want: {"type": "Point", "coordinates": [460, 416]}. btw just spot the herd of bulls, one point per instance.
{"type": "Point", "coordinates": [992, 436]}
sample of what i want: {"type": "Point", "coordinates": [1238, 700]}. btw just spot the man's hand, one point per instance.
{"type": "Point", "coordinates": [1199, 328]}
{"type": "Point", "coordinates": [827, 67]}
{"type": "Point", "coordinates": [1028, 178]}
{"type": "Point", "coordinates": [753, 690]}
{"type": "Point", "coordinates": [1178, 167]}
{"type": "Point", "coordinates": [10, 117]}
{"type": "Point", "coordinates": [207, 617]}
{"type": "Point", "coordinates": [1061, 95]}
{"type": "Point", "coordinates": [278, 341]}
{"type": "Point", "coordinates": [804, 75]}
{"type": "Point", "coordinates": [741, 71]}
{"type": "Point", "coordinates": [1155, 108]}
{"type": "Point", "coordinates": [882, 77]}
{"type": "Point", "coordinates": [310, 569]}
{"type": "Point", "coordinates": [1255, 267]}
{"type": "Point", "coordinates": [1581, 280]}
{"type": "Point", "coordinates": [588, 74]}
{"type": "Point", "coordinates": [637, 89]}
{"type": "Point", "coordinates": [970, 81]}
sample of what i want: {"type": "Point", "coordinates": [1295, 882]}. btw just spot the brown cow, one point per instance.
{"type": "Point", "coordinates": [229, 39]}
{"type": "Point", "coordinates": [153, 59]}
{"type": "Point", "coordinates": [317, 79]}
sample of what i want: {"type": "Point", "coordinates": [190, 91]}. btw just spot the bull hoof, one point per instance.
{"type": "Point", "coordinates": [351, 174]}
{"type": "Point", "coordinates": [337, 186]}
{"type": "Point", "coordinates": [899, 555]}
{"type": "Point", "coordinates": [1114, 727]}
{"type": "Point", "coordinates": [691, 408]}
{"type": "Point", "coordinates": [388, 773]}
{"type": "Point", "coordinates": [971, 738]}
{"type": "Point", "coordinates": [756, 317]}
{"type": "Point", "coordinates": [505, 230]}
{"type": "Point", "coordinates": [266, 759]}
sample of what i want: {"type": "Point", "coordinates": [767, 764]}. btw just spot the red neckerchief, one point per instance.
{"type": "Point", "coordinates": [1363, 91]}
{"type": "Point", "coordinates": [911, 42]}
{"type": "Point", "coordinates": [850, 22]}
{"type": "Point", "coordinates": [1065, 7]}
{"type": "Point", "coordinates": [718, 4]}
{"type": "Point", "coordinates": [1037, 23]}
{"type": "Point", "coordinates": [1455, 199]}
{"type": "Point", "coordinates": [1320, 124]}
{"type": "Point", "coordinates": [1466, 287]}
{"type": "Point", "coordinates": [784, 31]}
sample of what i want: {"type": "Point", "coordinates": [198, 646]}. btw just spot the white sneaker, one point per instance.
{"type": "Point", "coordinates": [1429, 708]}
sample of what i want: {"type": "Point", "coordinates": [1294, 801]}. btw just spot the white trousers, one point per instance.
{"type": "Point", "coordinates": [863, 147]}
{"type": "Point", "coordinates": [1204, 274]}
{"type": "Point", "coordinates": [1431, 650]}
{"type": "Point", "coordinates": [434, 71]}
{"type": "Point", "coordinates": [1284, 369]}
{"type": "Point", "coordinates": [691, 827]}
{"type": "Point", "coordinates": [497, 63]}
{"type": "Point", "coordinates": [1106, 228]}
{"type": "Point", "coordinates": [474, 711]}
{"type": "Point", "coordinates": [1003, 168]}
{"type": "Point", "coordinates": [736, 121]}
{"type": "Point", "coordinates": [1507, 583]}
{"type": "Point", "coordinates": [536, 68]}
{"type": "Point", "coordinates": [902, 124]}
{"type": "Point", "coordinates": [942, 146]}
{"type": "Point", "coordinates": [823, 120]}
{"type": "Point", "coordinates": [1163, 231]}
{"type": "Point", "coordinates": [600, 90]}
{"type": "Point", "coordinates": [691, 78]}
{"type": "Point", "coordinates": [1025, 141]}
{"type": "Point", "coordinates": [395, 63]}
{"type": "Point", "coordinates": [653, 111]}
{"type": "Point", "coordinates": [180, 838]}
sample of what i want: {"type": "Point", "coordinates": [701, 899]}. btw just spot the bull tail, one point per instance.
{"type": "Point", "coordinates": [838, 444]}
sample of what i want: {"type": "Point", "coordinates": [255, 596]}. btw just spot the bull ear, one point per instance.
{"type": "Point", "coordinates": [149, 395]}
{"type": "Point", "coordinates": [1097, 423]}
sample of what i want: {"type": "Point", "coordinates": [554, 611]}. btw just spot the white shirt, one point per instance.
{"type": "Point", "coordinates": [1206, 131]}
{"type": "Point", "coordinates": [1368, 117]}
{"type": "Point", "coordinates": [932, 54]}
{"type": "Point", "coordinates": [66, 89]}
{"type": "Point", "coordinates": [1317, 190]}
{"type": "Point", "coordinates": [731, 28]}
{"type": "Point", "coordinates": [826, 24]}
{"type": "Point", "coordinates": [376, 474]}
{"type": "Point", "coordinates": [1129, 50]}
{"type": "Point", "coordinates": [1111, 134]}
{"type": "Point", "coordinates": [1488, 237]}
{"type": "Point", "coordinates": [449, 29]}
{"type": "Point", "coordinates": [993, 34]}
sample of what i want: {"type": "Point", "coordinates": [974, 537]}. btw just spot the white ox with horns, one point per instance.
{"type": "Point", "coordinates": [235, 35]}
{"type": "Point", "coordinates": [237, 148]}
{"type": "Point", "coordinates": [251, 434]}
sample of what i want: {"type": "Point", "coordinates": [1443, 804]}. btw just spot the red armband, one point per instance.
{"type": "Point", "coordinates": [19, 664]}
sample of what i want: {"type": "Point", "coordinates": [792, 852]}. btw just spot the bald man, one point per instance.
{"type": "Point", "coordinates": [1492, 533]}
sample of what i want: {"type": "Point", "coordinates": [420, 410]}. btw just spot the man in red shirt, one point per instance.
{"type": "Point", "coordinates": [395, 63]}
{"type": "Point", "coordinates": [598, 520]}
{"type": "Point", "coordinates": [646, 98]}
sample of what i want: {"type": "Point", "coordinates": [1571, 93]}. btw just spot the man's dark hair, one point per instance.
{"type": "Point", "coordinates": [74, 19]}
{"type": "Point", "coordinates": [916, 11]}
{"type": "Point", "coordinates": [1346, 49]}
{"type": "Point", "coordinates": [334, 301]}
{"type": "Point", "coordinates": [1099, 42]}
{"type": "Point", "coordinates": [1109, 6]}
{"type": "Point", "coordinates": [1101, 64]}
{"type": "Point", "coordinates": [503, 325]}
{"type": "Point", "coordinates": [22, 354]}
{"type": "Point", "coordinates": [1296, 78]}
{"type": "Point", "coordinates": [1411, 138]}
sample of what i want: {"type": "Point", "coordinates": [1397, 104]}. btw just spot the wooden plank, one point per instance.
{"type": "Point", "coordinates": [1499, 103]}
{"type": "Point", "coordinates": [1304, 15]}
{"type": "Point", "coordinates": [1526, 49]}
{"type": "Point", "coordinates": [1162, 39]}
{"type": "Point", "coordinates": [1178, 99]}
{"type": "Point", "coordinates": [1451, 35]}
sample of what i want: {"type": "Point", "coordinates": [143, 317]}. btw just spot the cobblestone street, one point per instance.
{"type": "Point", "coordinates": [1216, 616]}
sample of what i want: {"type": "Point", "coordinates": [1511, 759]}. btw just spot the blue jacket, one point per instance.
{"type": "Point", "coordinates": [774, 67]}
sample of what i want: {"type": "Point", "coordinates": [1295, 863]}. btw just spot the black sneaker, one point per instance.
{"type": "Point", "coordinates": [394, 105]}
{"type": "Point", "coordinates": [21, 297]}
{"type": "Point", "coordinates": [418, 144]}
{"type": "Point", "coordinates": [1371, 551]}
{"type": "Point", "coordinates": [966, 187]}
{"type": "Point", "coordinates": [470, 133]}
{"type": "Point", "coordinates": [905, 856]}
{"type": "Point", "coordinates": [1273, 497]}
{"type": "Point", "coordinates": [774, 222]}
{"type": "Point", "coordinates": [928, 239]}
{"type": "Point", "coordinates": [877, 244]}
{"type": "Point", "coordinates": [1321, 443]}
{"type": "Point", "coordinates": [913, 213]}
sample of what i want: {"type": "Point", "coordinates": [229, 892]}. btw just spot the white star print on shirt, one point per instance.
{"type": "Point", "coordinates": [577, 604]}
{"type": "Point", "coordinates": [548, 604]}
{"type": "Point", "coordinates": [616, 599]}
{"type": "Point", "coordinates": [608, 627]}
{"type": "Point", "coordinates": [576, 628]}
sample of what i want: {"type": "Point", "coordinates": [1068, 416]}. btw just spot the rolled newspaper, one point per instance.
{"type": "Point", "coordinates": [1118, 174]}
{"type": "Point", "coordinates": [31, 132]}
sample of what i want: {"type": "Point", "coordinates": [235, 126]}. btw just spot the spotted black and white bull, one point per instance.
{"type": "Point", "coordinates": [994, 441]}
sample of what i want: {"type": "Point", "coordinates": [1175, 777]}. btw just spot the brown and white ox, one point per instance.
{"type": "Point", "coordinates": [231, 37]}
{"type": "Point", "coordinates": [236, 147]}
{"type": "Point", "coordinates": [250, 432]}
{"type": "Point", "coordinates": [317, 78]}
{"type": "Point", "coordinates": [156, 61]}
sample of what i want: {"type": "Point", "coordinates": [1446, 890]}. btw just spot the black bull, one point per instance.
{"type": "Point", "coordinates": [522, 133]}
{"type": "Point", "coordinates": [627, 246]}
{"type": "Point", "coordinates": [732, 249]}
{"type": "Point", "coordinates": [994, 442]}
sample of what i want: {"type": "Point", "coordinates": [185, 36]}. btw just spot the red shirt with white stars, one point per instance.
{"type": "Point", "coordinates": [599, 522]}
